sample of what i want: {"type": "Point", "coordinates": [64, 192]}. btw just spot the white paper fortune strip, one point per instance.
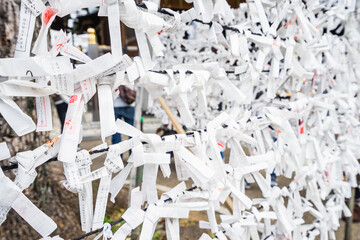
{"type": "Point", "coordinates": [278, 86]}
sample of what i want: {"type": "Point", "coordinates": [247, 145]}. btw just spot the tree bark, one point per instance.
{"type": "Point", "coordinates": [47, 192]}
{"type": "Point", "coordinates": [9, 17]}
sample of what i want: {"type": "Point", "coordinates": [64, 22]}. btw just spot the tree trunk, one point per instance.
{"type": "Point", "coordinates": [9, 17]}
{"type": "Point", "coordinates": [47, 192]}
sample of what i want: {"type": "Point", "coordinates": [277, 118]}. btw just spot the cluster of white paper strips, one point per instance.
{"type": "Point", "coordinates": [291, 101]}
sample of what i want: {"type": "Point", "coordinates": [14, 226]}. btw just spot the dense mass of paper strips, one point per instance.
{"type": "Point", "coordinates": [279, 79]}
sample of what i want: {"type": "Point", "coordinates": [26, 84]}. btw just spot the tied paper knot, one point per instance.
{"type": "Point", "coordinates": [48, 13]}
{"type": "Point", "coordinates": [106, 232]}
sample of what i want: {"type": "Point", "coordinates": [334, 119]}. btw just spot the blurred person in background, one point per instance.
{"type": "Point", "coordinates": [61, 103]}
{"type": "Point", "coordinates": [124, 108]}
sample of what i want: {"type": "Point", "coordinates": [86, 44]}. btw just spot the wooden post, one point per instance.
{"type": "Point", "coordinates": [179, 129]}
{"type": "Point", "coordinates": [136, 173]}
{"type": "Point", "coordinates": [171, 116]}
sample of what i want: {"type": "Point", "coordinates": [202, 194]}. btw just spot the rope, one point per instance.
{"type": "Point", "coordinates": [15, 165]}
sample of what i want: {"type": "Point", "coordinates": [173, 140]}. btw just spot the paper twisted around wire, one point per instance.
{"type": "Point", "coordinates": [295, 109]}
